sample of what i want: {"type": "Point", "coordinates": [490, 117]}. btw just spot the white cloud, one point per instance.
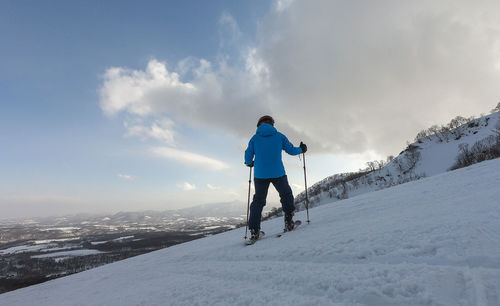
{"type": "Point", "coordinates": [126, 177]}
{"type": "Point", "coordinates": [160, 130]}
{"type": "Point", "coordinates": [186, 186]}
{"type": "Point", "coordinates": [282, 5]}
{"type": "Point", "coordinates": [212, 187]}
{"type": "Point", "coordinates": [370, 75]}
{"type": "Point", "coordinates": [188, 158]}
{"type": "Point", "coordinates": [137, 92]}
{"type": "Point", "coordinates": [229, 31]}
{"type": "Point", "coordinates": [344, 77]}
{"type": "Point", "coordinates": [219, 96]}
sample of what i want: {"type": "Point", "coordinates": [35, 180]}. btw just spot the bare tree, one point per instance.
{"type": "Point", "coordinates": [421, 135]}
{"type": "Point", "coordinates": [399, 164]}
{"type": "Point", "coordinates": [497, 131]}
{"type": "Point", "coordinates": [435, 130]}
{"type": "Point", "coordinates": [371, 165]}
{"type": "Point", "coordinates": [457, 121]}
{"type": "Point", "coordinates": [412, 158]}
{"type": "Point", "coordinates": [379, 164]}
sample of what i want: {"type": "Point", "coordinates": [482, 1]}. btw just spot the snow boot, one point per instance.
{"type": "Point", "coordinates": [255, 234]}
{"type": "Point", "coordinates": [289, 224]}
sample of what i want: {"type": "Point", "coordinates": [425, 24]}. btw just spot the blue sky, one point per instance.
{"type": "Point", "coordinates": [127, 105]}
{"type": "Point", "coordinates": [57, 144]}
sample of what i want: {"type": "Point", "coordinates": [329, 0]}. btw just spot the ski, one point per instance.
{"type": "Point", "coordinates": [250, 241]}
{"type": "Point", "coordinates": [296, 224]}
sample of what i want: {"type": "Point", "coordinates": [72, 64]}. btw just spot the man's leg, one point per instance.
{"type": "Point", "coordinates": [258, 203]}
{"type": "Point", "coordinates": [285, 192]}
{"type": "Point", "coordinates": [286, 199]}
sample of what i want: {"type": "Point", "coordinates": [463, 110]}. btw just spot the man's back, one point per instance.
{"type": "Point", "coordinates": [267, 145]}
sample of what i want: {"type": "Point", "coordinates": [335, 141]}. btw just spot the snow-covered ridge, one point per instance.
{"type": "Point", "coordinates": [434, 152]}
{"type": "Point", "coordinates": [430, 242]}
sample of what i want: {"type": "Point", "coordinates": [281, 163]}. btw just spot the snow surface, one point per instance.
{"type": "Point", "coordinates": [123, 238]}
{"type": "Point", "coordinates": [98, 242]}
{"type": "Point", "coordinates": [37, 247]}
{"type": "Point", "coordinates": [22, 249]}
{"type": "Point", "coordinates": [83, 252]}
{"type": "Point", "coordinates": [439, 156]}
{"type": "Point", "coordinates": [434, 241]}
{"type": "Point", "coordinates": [55, 240]}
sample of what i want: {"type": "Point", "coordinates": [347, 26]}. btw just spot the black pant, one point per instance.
{"type": "Point", "coordinates": [259, 198]}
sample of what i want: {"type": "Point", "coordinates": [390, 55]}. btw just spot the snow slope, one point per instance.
{"type": "Point", "coordinates": [427, 157]}
{"type": "Point", "coordinates": [438, 155]}
{"type": "Point", "coordinates": [434, 241]}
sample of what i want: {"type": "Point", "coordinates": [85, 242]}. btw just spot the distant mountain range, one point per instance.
{"type": "Point", "coordinates": [230, 210]}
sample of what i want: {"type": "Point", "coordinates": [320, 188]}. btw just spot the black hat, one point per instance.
{"type": "Point", "coordinates": [265, 118]}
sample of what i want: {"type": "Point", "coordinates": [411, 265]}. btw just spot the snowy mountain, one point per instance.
{"type": "Point", "coordinates": [435, 151]}
{"type": "Point", "coordinates": [429, 242]}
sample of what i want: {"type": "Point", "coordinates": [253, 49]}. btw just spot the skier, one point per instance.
{"type": "Point", "coordinates": [266, 146]}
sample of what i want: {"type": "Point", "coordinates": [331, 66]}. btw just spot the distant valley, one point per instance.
{"type": "Point", "coordinates": [40, 249]}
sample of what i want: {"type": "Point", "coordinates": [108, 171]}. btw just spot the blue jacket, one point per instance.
{"type": "Point", "coordinates": [266, 145]}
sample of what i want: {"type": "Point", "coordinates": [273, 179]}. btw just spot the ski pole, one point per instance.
{"type": "Point", "coordinates": [305, 182]}
{"type": "Point", "coordinates": [248, 205]}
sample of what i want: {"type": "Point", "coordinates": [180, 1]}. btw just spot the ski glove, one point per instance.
{"type": "Point", "coordinates": [249, 165]}
{"type": "Point", "coordinates": [303, 147]}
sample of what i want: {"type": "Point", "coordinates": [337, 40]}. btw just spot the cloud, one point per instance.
{"type": "Point", "coordinates": [160, 130]}
{"type": "Point", "coordinates": [186, 186]}
{"type": "Point", "coordinates": [212, 187]}
{"type": "Point", "coordinates": [126, 177]}
{"type": "Point", "coordinates": [344, 77]}
{"type": "Point", "coordinates": [229, 31]}
{"type": "Point", "coordinates": [188, 158]}
{"type": "Point", "coordinates": [221, 97]}
{"type": "Point", "coordinates": [281, 5]}
{"type": "Point", "coordinates": [138, 92]}
{"type": "Point", "coordinates": [369, 76]}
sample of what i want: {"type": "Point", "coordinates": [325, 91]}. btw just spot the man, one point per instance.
{"type": "Point", "coordinates": [266, 146]}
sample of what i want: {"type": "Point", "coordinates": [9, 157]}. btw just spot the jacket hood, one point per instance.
{"type": "Point", "coordinates": [265, 129]}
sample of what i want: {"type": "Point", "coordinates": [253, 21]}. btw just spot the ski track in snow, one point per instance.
{"type": "Point", "coordinates": [435, 241]}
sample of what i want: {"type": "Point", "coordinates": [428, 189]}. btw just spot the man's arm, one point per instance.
{"type": "Point", "coordinates": [249, 153]}
{"type": "Point", "coordinates": [289, 148]}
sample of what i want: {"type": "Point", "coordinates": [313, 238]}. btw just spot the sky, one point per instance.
{"type": "Point", "coordinates": [110, 106]}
